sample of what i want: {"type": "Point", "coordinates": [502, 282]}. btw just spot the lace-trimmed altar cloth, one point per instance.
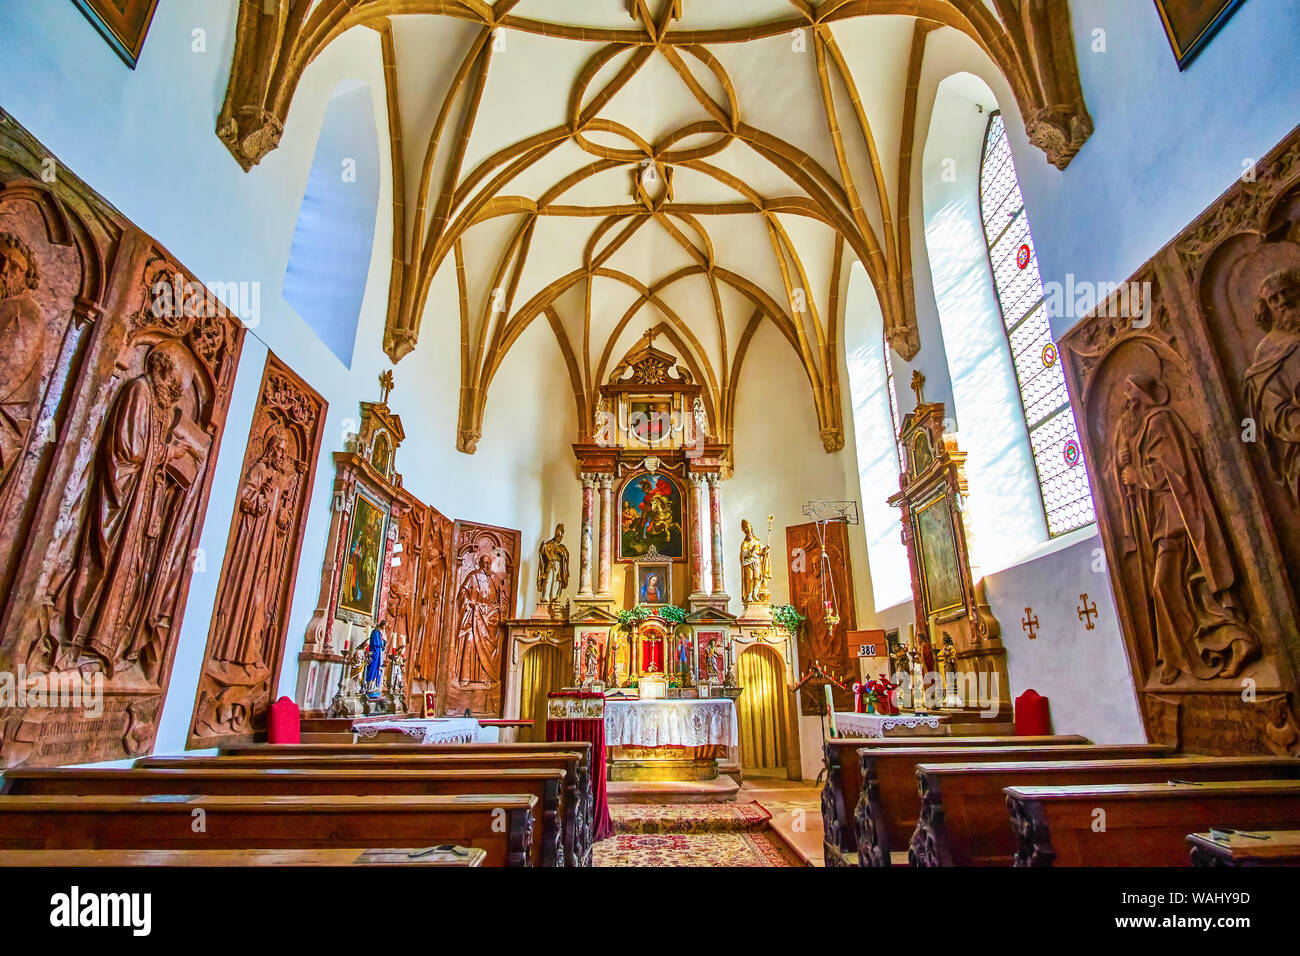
{"type": "Point", "coordinates": [440, 730]}
{"type": "Point", "coordinates": [875, 725]}
{"type": "Point", "coordinates": [671, 723]}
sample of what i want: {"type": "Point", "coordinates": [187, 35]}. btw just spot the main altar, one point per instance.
{"type": "Point", "coordinates": [649, 628]}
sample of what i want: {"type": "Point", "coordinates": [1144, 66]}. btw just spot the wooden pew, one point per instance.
{"type": "Point", "coordinates": [546, 785]}
{"type": "Point", "coordinates": [584, 801]}
{"type": "Point", "coordinates": [1146, 824]}
{"type": "Point", "coordinates": [889, 805]}
{"type": "Point", "coordinates": [350, 856]}
{"type": "Point", "coordinates": [578, 802]}
{"type": "Point", "coordinates": [244, 822]}
{"type": "Point", "coordinates": [963, 819]}
{"type": "Point", "coordinates": [844, 780]}
{"type": "Point", "coordinates": [1258, 848]}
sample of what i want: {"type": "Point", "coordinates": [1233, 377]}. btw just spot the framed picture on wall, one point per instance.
{"type": "Point", "coordinates": [122, 23]}
{"type": "Point", "coordinates": [1190, 24]}
{"type": "Point", "coordinates": [653, 582]}
{"type": "Point", "coordinates": [363, 559]}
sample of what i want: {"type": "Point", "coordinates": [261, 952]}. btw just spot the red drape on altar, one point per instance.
{"type": "Point", "coordinates": [590, 729]}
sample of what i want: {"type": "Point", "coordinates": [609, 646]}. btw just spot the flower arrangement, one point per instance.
{"type": "Point", "coordinates": [878, 695]}
{"type": "Point", "coordinates": [787, 618]}
{"type": "Point", "coordinates": [674, 615]}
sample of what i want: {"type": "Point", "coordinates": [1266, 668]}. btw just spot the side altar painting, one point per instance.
{"type": "Point", "coordinates": [365, 548]}
{"type": "Point", "coordinates": [115, 379]}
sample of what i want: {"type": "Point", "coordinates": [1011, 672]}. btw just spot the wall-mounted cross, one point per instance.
{"type": "Point", "coordinates": [1029, 623]}
{"type": "Point", "coordinates": [1086, 614]}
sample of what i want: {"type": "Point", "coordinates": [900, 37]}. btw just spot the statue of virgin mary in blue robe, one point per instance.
{"type": "Point", "coordinates": [375, 663]}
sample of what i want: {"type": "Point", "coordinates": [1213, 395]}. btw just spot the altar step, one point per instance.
{"type": "Point", "coordinates": [721, 790]}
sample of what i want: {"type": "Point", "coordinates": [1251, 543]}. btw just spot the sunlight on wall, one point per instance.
{"type": "Point", "coordinates": [330, 257]}
{"type": "Point", "coordinates": [1006, 510]}
{"type": "Point", "coordinates": [875, 442]}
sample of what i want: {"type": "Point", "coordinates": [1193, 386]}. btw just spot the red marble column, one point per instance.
{"type": "Point", "coordinates": [606, 532]}
{"type": "Point", "coordinates": [699, 507]}
{"type": "Point", "coordinates": [715, 511]}
{"type": "Point", "coordinates": [588, 518]}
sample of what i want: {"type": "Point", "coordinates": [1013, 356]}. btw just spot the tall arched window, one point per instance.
{"type": "Point", "coordinates": [1053, 435]}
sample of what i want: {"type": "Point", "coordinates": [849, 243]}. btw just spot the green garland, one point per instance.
{"type": "Point", "coordinates": [674, 615]}
{"type": "Point", "coordinates": [787, 618]}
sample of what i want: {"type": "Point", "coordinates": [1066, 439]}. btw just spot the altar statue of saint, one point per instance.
{"type": "Point", "coordinates": [701, 421]}
{"type": "Point", "coordinates": [397, 681]}
{"type": "Point", "coordinates": [617, 656]}
{"type": "Point", "coordinates": [591, 662]}
{"type": "Point", "coordinates": [1173, 525]}
{"type": "Point", "coordinates": [552, 568]}
{"type": "Point", "coordinates": [375, 660]}
{"type": "Point", "coordinates": [714, 664]}
{"type": "Point", "coordinates": [683, 656]}
{"type": "Point", "coordinates": [755, 565]}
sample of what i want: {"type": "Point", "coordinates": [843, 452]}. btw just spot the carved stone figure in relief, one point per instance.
{"type": "Point", "coordinates": [1273, 380]}
{"type": "Point", "coordinates": [132, 549]}
{"type": "Point", "coordinates": [553, 568]}
{"type": "Point", "coordinates": [1171, 523]}
{"type": "Point", "coordinates": [478, 650]}
{"type": "Point", "coordinates": [25, 351]}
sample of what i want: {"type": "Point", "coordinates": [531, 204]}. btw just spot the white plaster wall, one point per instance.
{"type": "Point", "coordinates": [145, 140]}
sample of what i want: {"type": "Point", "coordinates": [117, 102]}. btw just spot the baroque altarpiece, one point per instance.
{"type": "Point", "coordinates": [651, 602]}
{"type": "Point", "coordinates": [953, 620]}
{"type": "Point", "coordinates": [115, 380]}
{"type": "Point", "coordinates": [1185, 389]}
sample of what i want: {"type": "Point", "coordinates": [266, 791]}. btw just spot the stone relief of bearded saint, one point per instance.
{"type": "Point", "coordinates": [26, 345]}
{"type": "Point", "coordinates": [247, 608]}
{"type": "Point", "coordinates": [1171, 522]}
{"type": "Point", "coordinates": [478, 652]}
{"type": "Point", "coordinates": [132, 549]}
{"type": "Point", "coordinates": [1273, 380]}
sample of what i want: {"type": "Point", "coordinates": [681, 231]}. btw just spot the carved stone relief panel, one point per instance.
{"type": "Point", "coordinates": [117, 373]}
{"type": "Point", "coordinates": [481, 589]}
{"type": "Point", "coordinates": [255, 591]}
{"type": "Point", "coordinates": [1190, 411]}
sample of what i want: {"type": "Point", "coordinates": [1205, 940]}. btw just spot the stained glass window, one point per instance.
{"type": "Point", "coordinates": [1053, 435]}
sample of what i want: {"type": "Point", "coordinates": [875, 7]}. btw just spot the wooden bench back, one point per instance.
{"type": "Point", "coordinates": [889, 805]}
{"type": "Point", "coordinates": [167, 821]}
{"type": "Point", "coordinates": [547, 785]}
{"type": "Point", "coordinates": [577, 829]}
{"type": "Point", "coordinates": [963, 819]}
{"type": "Point", "coordinates": [1145, 824]}
{"type": "Point", "coordinates": [844, 777]}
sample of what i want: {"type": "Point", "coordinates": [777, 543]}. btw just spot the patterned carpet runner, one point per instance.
{"type": "Point", "coordinates": [692, 834]}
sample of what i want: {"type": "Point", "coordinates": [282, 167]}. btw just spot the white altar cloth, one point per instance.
{"type": "Point", "coordinates": [671, 723]}
{"type": "Point", "coordinates": [433, 730]}
{"type": "Point", "coordinates": [875, 725]}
